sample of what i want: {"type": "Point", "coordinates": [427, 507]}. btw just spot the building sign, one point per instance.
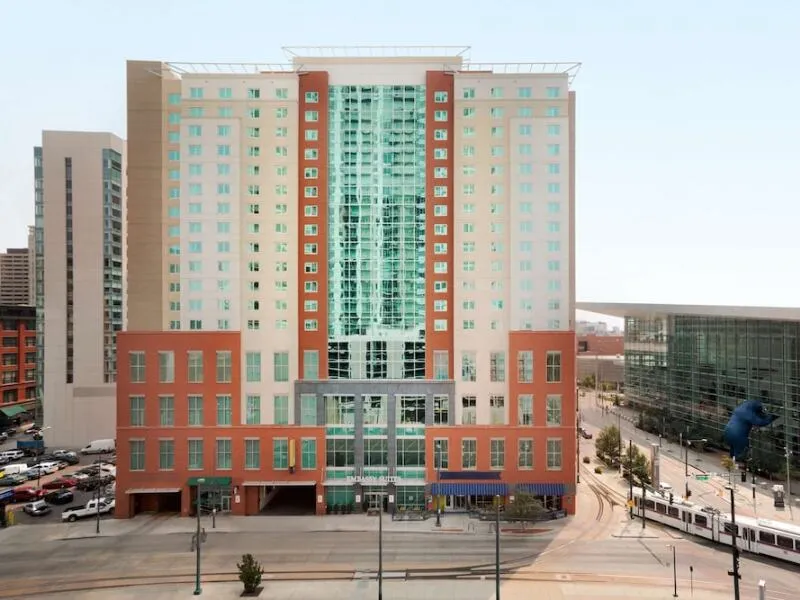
{"type": "Point", "coordinates": [370, 480]}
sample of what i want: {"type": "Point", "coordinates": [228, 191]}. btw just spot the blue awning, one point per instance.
{"type": "Point", "coordinates": [542, 489]}
{"type": "Point", "coordinates": [472, 488]}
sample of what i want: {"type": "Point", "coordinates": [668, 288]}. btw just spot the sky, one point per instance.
{"type": "Point", "coordinates": [687, 118]}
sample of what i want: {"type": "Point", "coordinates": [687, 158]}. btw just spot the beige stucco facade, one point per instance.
{"type": "Point", "coordinates": [78, 402]}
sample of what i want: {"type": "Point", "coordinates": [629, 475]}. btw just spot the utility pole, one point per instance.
{"type": "Point", "coordinates": [497, 549]}
{"type": "Point", "coordinates": [380, 550]}
{"type": "Point", "coordinates": [788, 474]}
{"type": "Point", "coordinates": [734, 549]}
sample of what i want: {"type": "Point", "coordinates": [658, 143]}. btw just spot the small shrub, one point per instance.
{"type": "Point", "coordinates": [587, 460]}
{"type": "Point", "coordinates": [250, 573]}
{"type": "Point", "coordinates": [598, 470]}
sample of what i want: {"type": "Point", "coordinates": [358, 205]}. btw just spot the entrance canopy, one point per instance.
{"type": "Point", "coordinates": [12, 411]}
{"type": "Point", "coordinates": [472, 488]}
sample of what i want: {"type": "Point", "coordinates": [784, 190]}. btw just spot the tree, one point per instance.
{"type": "Point", "coordinates": [524, 508]}
{"type": "Point", "coordinates": [588, 381]}
{"type": "Point", "coordinates": [250, 573]}
{"type": "Point", "coordinates": [607, 444]}
{"type": "Point", "coordinates": [634, 461]}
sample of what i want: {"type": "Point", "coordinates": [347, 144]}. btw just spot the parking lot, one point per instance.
{"type": "Point", "coordinates": [80, 497]}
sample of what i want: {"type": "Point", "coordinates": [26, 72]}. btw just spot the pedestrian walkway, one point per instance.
{"type": "Point", "coordinates": [452, 524]}
{"type": "Point", "coordinates": [402, 590]}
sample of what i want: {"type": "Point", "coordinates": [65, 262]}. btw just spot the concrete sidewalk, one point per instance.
{"type": "Point", "coordinates": [400, 590]}
{"type": "Point", "coordinates": [458, 524]}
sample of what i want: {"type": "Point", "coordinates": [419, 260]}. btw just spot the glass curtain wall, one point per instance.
{"type": "Point", "coordinates": [376, 218]}
{"type": "Point", "coordinates": [687, 373]}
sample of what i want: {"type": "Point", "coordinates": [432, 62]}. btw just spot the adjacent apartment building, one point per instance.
{"type": "Point", "coordinates": [16, 276]}
{"type": "Point", "coordinates": [79, 274]}
{"type": "Point", "coordinates": [350, 283]}
{"type": "Point", "coordinates": [17, 361]}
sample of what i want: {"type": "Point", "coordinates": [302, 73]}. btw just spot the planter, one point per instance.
{"type": "Point", "coordinates": [254, 594]}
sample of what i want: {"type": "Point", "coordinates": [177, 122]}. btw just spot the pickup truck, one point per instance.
{"type": "Point", "coordinates": [73, 513]}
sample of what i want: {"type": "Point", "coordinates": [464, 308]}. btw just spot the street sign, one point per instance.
{"type": "Point", "coordinates": [702, 477]}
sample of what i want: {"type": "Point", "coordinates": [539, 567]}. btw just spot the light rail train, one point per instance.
{"type": "Point", "coordinates": [756, 536]}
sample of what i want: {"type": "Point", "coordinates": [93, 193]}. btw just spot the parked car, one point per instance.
{"type": "Point", "coordinates": [67, 456]}
{"type": "Point", "coordinates": [92, 483]}
{"type": "Point", "coordinates": [34, 473]}
{"type": "Point", "coordinates": [59, 497]}
{"type": "Point", "coordinates": [37, 509]}
{"type": "Point", "coordinates": [13, 480]}
{"type": "Point", "coordinates": [106, 446]}
{"type": "Point", "coordinates": [13, 454]}
{"type": "Point", "coordinates": [59, 483]}
{"type": "Point", "coordinates": [585, 434]}
{"type": "Point", "coordinates": [27, 494]}
{"type": "Point", "coordinates": [62, 464]}
{"type": "Point", "coordinates": [91, 508]}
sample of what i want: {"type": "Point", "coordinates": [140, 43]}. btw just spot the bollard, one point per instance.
{"type": "Point", "coordinates": [762, 589]}
{"type": "Point", "coordinates": [214, 518]}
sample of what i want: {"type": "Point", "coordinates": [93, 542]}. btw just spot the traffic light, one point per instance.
{"type": "Point", "coordinates": [670, 497]}
{"type": "Point", "coordinates": [688, 493]}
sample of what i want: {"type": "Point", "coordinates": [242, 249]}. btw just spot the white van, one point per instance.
{"type": "Point", "coordinates": [14, 469]}
{"type": "Point", "coordinates": [99, 447]}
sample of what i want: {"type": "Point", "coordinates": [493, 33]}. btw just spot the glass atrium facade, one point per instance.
{"type": "Point", "coordinates": [687, 373]}
{"type": "Point", "coordinates": [376, 244]}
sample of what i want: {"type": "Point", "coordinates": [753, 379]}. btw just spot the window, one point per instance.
{"type": "Point", "coordinates": [497, 454]}
{"type": "Point", "coordinates": [440, 115]}
{"type": "Point", "coordinates": [441, 365]}
{"type": "Point", "coordinates": [224, 409]}
{"type": "Point", "coordinates": [469, 454]}
{"type": "Point", "coordinates": [166, 407]}
{"type": "Point", "coordinates": [253, 367]}
{"type": "Point", "coordinates": [280, 454]}
{"type": "Point", "coordinates": [525, 453]}
{"type": "Point", "coordinates": [195, 455]}
{"type": "Point", "coordinates": [441, 409]}
{"type": "Point", "coordinates": [553, 111]}
{"type": "Point", "coordinates": [554, 455]}
{"type": "Point", "coordinates": [553, 410]}
{"type": "Point", "coordinates": [166, 455]}
{"type": "Point", "coordinates": [410, 452]}
{"type": "Point", "coordinates": [311, 116]}
{"type": "Point", "coordinates": [468, 369]}
{"type": "Point", "coordinates": [497, 405]}
{"type": "Point", "coordinates": [310, 364]}
{"type": "Point", "coordinates": [308, 453]}
{"type": "Point", "coordinates": [137, 455]}
{"type": "Point", "coordinates": [440, 454]}
{"type": "Point", "coordinates": [280, 404]}
{"type": "Point", "coordinates": [166, 367]}
{"type": "Point", "coordinates": [224, 453]}
{"type": "Point", "coordinates": [195, 410]}
{"type": "Point", "coordinates": [497, 367]}
{"type": "Point", "coordinates": [525, 366]}
{"type": "Point", "coordinates": [252, 454]}
{"type": "Point", "coordinates": [308, 409]}
{"type": "Point", "coordinates": [137, 366]}
{"type": "Point", "coordinates": [281, 366]}
{"type": "Point", "coordinates": [553, 92]}
{"type": "Point", "coordinates": [224, 366]}
{"type": "Point", "coordinates": [524, 92]}
{"type": "Point", "coordinates": [440, 97]}
{"type": "Point", "coordinates": [136, 410]}
{"type": "Point", "coordinates": [553, 367]}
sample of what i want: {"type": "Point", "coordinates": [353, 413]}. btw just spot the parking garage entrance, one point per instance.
{"type": "Point", "coordinates": [288, 500]}
{"type": "Point", "coordinates": [154, 501]}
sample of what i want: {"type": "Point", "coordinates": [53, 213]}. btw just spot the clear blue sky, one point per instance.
{"type": "Point", "coordinates": [688, 118]}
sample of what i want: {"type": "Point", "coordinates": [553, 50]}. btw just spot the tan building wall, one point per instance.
{"type": "Point", "coordinates": [15, 277]}
{"type": "Point", "coordinates": [79, 407]}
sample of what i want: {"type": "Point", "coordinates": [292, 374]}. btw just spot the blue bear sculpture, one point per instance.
{"type": "Point", "coordinates": [747, 415]}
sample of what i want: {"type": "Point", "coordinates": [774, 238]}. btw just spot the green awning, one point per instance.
{"type": "Point", "coordinates": [211, 481]}
{"type": "Point", "coordinates": [12, 411]}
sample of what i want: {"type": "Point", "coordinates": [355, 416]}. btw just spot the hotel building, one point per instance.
{"type": "Point", "coordinates": [350, 282]}
{"type": "Point", "coordinates": [79, 273]}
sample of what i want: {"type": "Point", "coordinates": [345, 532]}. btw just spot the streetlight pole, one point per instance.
{"type": "Point", "coordinates": [497, 548]}
{"type": "Point", "coordinates": [99, 481]}
{"type": "Point", "coordinates": [788, 475]}
{"type": "Point", "coordinates": [619, 428]}
{"type": "Point", "coordinates": [630, 475]}
{"type": "Point", "coordinates": [380, 550]}
{"type": "Point", "coordinates": [734, 549]}
{"type": "Point", "coordinates": [197, 589]}
{"type": "Point", "coordinates": [674, 573]}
